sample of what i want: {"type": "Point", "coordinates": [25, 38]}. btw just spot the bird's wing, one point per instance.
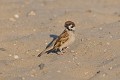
{"type": "Point", "coordinates": [57, 42]}
{"type": "Point", "coordinates": [61, 39]}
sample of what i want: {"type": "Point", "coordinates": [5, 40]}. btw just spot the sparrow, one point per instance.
{"type": "Point", "coordinates": [66, 38]}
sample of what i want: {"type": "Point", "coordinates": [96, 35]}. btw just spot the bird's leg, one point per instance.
{"type": "Point", "coordinates": [64, 49]}
{"type": "Point", "coordinates": [61, 51]}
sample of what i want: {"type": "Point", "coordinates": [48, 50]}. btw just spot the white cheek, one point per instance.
{"type": "Point", "coordinates": [73, 28]}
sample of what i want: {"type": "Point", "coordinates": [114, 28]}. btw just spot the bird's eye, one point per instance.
{"type": "Point", "coordinates": [71, 26]}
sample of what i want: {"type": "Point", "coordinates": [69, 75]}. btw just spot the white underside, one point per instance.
{"type": "Point", "coordinates": [70, 41]}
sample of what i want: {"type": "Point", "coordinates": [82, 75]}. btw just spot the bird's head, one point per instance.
{"type": "Point", "coordinates": [70, 26]}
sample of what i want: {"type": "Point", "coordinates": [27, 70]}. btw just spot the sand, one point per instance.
{"type": "Point", "coordinates": [28, 26]}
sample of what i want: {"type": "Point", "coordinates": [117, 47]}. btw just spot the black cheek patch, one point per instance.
{"type": "Point", "coordinates": [71, 26]}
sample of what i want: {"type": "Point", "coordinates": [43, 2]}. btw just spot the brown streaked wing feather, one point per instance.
{"type": "Point", "coordinates": [61, 39]}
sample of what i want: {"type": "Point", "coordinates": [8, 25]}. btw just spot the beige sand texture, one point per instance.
{"type": "Point", "coordinates": [28, 26]}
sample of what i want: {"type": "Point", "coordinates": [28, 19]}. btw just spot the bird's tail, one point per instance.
{"type": "Point", "coordinates": [50, 47]}
{"type": "Point", "coordinates": [45, 51]}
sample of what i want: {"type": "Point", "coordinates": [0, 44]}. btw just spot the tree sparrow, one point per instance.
{"type": "Point", "coordinates": [64, 40]}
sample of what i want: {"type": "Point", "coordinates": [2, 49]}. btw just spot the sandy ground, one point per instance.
{"type": "Point", "coordinates": [27, 26]}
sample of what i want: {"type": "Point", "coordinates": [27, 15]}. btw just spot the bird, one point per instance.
{"type": "Point", "coordinates": [65, 39]}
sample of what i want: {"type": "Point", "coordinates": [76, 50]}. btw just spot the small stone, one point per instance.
{"type": "Point", "coordinates": [86, 73]}
{"type": "Point", "coordinates": [104, 75]}
{"type": "Point", "coordinates": [89, 11]}
{"type": "Point", "coordinates": [14, 44]}
{"type": "Point", "coordinates": [78, 63]}
{"type": "Point", "coordinates": [73, 59]}
{"type": "Point", "coordinates": [46, 43]}
{"type": "Point", "coordinates": [105, 50]}
{"type": "Point", "coordinates": [69, 61]}
{"type": "Point", "coordinates": [16, 16]}
{"type": "Point", "coordinates": [41, 66]}
{"type": "Point", "coordinates": [27, 52]}
{"type": "Point", "coordinates": [37, 50]}
{"type": "Point", "coordinates": [108, 43]}
{"type": "Point", "coordinates": [12, 19]}
{"type": "Point", "coordinates": [111, 36]}
{"type": "Point", "coordinates": [2, 49]}
{"type": "Point", "coordinates": [22, 59]}
{"type": "Point", "coordinates": [31, 13]}
{"type": "Point", "coordinates": [110, 68]}
{"type": "Point", "coordinates": [100, 28]}
{"type": "Point", "coordinates": [16, 56]}
{"type": "Point", "coordinates": [76, 58]}
{"type": "Point", "coordinates": [34, 29]}
{"type": "Point", "coordinates": [81, 40]}
{"type": "Point", "coordinates": [32, 75]}
{"type": "Point", "coordinates": [50, 19]}
{"type": "Point", "coordinates": [76, 53]}
{"type": "Point", "coordinates": [10, 55]}
{"type": "Point", "coordinates": [98, 72]}
{"type": "Point", "coordinates": [23, 78]}
{"type": "Point", "coordinates": [58, 71]}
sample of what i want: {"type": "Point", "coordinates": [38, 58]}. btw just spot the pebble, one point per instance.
{"type": "Point", "coordinates": [110, 68]}
{"type": "Point", "coordinates": [76, 53]}
{"type": "Point", "coordinates": [111, 36]}
{"type": "Point", "coordinates": [31, 13]}
{"type": "Point", "coordinates": [16, 56]}
{"type": "Point", "coordinates": [13, 31]}
{"type": "Point", "coordinates": [14, 44]}
{"type": "Point", "coordinates": [104, 75]}
{"type": "Point", "coordinates": [27, 52]}
{"type": "Point", "coordinates": [58, 71]}
{"type": "Point", "coordinates": [32, 75]}
{"type": "Point", "coordinates": [37, 50]}
{"type": "Point", "coordinates": [12, 19]}
{"type": "Point", "coordinates": [34, 30]}
{"type": "Point", "coordinates": [2, 49]}
{"type": "Point", "coordinates": [100, 28]}
{"type": "Point", "coordinates": [105, 50]}
{"type": "Point", "coordinates": [74, 58]}
{"type": "Point", "coordinates": [46, 43]}
{"type": "Point", "coordinates": [23, 78]}
{"type": "Point", "coordinates": [16, 16]}
{"type": "Point", "coordinates": [89, 11]}
{"type": "Point", "coordinates": [86, 73]}
{"type": "Point", "coordinates": [78, 63]}
{"type": "Point", "coordinates": [108, 43]}
{"type": "Point", "coordinates": [41, 66]}
{"type": "Point", "coordinates": [69, 61]}
{"type": "Point", "coordinates": [10, 55]}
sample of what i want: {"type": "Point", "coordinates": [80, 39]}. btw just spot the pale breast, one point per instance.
{"type": "Point", "coordinates": [70, 40]}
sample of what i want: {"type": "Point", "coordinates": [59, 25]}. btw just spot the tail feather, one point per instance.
{"type": "Point", "coordinates": [48, 48]}
{"type": "Point", "coordinates": [45, 51]}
